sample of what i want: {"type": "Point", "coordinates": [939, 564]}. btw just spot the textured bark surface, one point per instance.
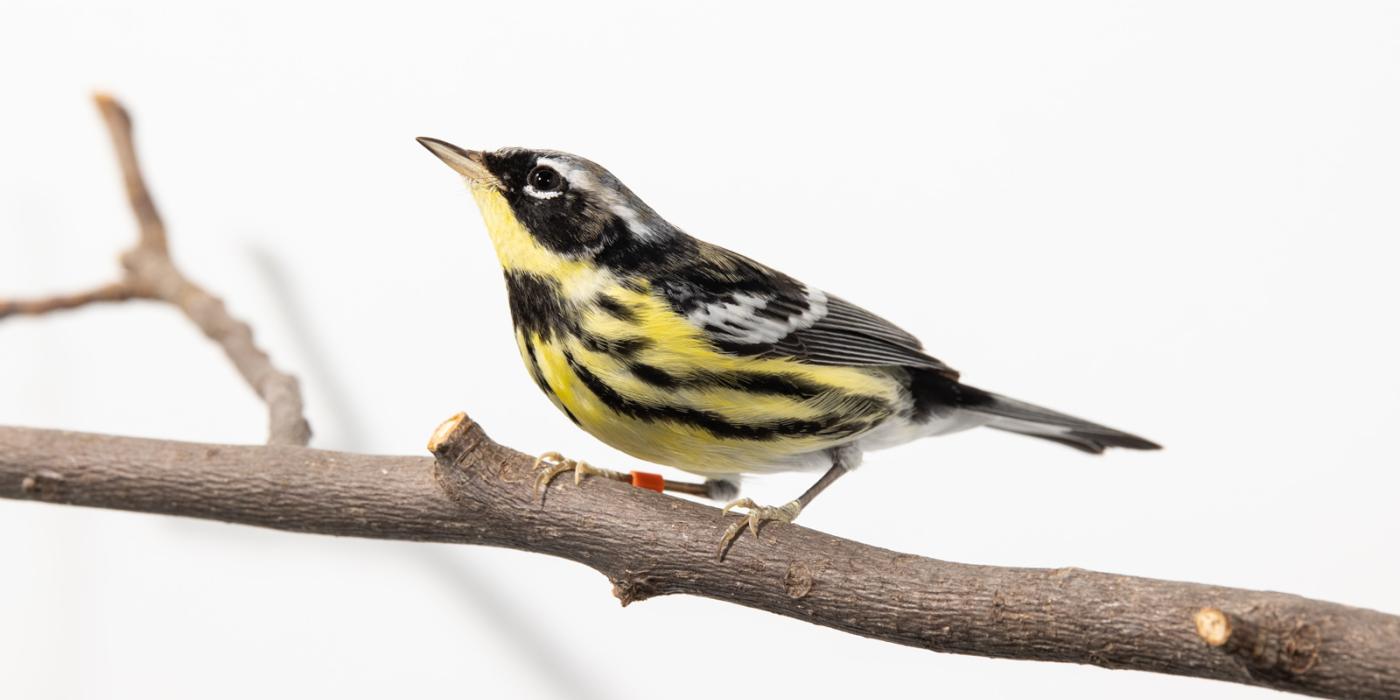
{"type": "Point", "coordinates": [648, 544]}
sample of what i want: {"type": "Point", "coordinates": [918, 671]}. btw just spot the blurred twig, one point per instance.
{"type": "Point", "coordinates": [150, 273]}
{"type": "Point", "coordinates": [478, 492]}
{"type": "Point", "coordinates": [507, 623]}
{"type": "Point", "coordinates": [115, 291]}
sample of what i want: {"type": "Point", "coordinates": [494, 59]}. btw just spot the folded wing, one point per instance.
{"type": "Point", "coordinates": [747, 308]}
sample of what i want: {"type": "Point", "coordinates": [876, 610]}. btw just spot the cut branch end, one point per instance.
{"type": "Point", "coordinates": [444, 431]}
{"type": "Point", "coordinates": [1213, 625]}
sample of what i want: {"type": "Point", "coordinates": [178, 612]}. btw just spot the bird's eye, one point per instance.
{"type": "Point", "coordinates": [544, 179]}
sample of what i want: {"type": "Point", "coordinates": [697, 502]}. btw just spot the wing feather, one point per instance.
{"type": "Point", "coordinates": [747, 308]}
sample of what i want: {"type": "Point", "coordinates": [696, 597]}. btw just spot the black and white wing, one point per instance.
{"type": "Point", "coordinates": [746, 308]}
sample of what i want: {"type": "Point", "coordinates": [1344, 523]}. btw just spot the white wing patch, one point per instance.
{"type": "Point", "coordinates": [742, 319]}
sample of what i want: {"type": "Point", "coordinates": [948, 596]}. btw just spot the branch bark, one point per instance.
{"type": "Point", "coordinates": [648, 544]}
{"type": "Point", "coordinates": [478, 492]}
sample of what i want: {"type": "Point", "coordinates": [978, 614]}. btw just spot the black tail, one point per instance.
{"type": "Point", "coordinates": [1026, 419]}
{"type": "Point", "coordinates": [1022, 418]}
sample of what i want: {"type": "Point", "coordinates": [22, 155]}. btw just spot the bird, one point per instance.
{"type": "Point", "coordinates": [682, 353]}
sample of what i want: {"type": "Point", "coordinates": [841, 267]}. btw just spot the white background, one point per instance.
{"type": "Point", "coordinates": [1178, 219]}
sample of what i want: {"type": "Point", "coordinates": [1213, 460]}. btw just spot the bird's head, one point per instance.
{"type": "Point", "coordinates": [546, 204]}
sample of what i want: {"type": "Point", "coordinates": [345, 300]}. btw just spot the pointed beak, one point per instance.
{"type": "Point", "coordinates": [471, 164]}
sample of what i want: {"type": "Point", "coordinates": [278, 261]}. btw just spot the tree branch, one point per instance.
{"type": "Point", "coordinates": [150, 227]}
{"type": "Point", "coordinates": [150, 273]}
{"type": "Point", "coordinates": [114, 291]}
{"type": "Point", "coordinates": [648, 544]}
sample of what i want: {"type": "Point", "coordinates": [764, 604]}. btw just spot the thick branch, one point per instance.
{"type": "Point", "coordinates": [479, 492]}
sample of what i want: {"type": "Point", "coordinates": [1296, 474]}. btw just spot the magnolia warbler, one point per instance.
{"type": "Point", "coordinates": [686, 354]}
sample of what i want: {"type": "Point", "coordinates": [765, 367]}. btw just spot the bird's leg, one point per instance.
{"type": "Point", "coordinates": [757, 514]}
{"type": "Point", "coordinates": [553, 464]}
{"type": "Point", "coordinates": [713, 489]}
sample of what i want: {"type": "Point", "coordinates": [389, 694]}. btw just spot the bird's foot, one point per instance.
{"type": "Point", "coordinates": [553, 464]}
{"type": "Point", "coordinates": [754, 518]}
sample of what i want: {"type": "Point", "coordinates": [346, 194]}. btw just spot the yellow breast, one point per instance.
{"type": "Point", "coordinates": [645, 380]}
{"type": "Point", "coordinates": [654, 388]}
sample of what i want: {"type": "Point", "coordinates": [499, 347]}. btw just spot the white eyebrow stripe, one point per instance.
{"type": "Point", "coordinates": [577, 177]}
{"type": "Point", "coordinates": [633, 221]}
{"type": "Point", "coordinates": [572, 175]}
{"type": "Point", "coordinates": [581, 179]}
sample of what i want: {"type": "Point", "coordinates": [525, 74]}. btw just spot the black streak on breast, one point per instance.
{"type": "Point", "coordinates": [537, 305]}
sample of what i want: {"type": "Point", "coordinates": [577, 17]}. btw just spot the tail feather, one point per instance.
{"type": "Point", "coordinates": [1027, 419]}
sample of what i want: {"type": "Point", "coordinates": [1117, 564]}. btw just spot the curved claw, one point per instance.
{"type": "Point", "coordinates": [754, 522]}
{"type": "Point", "coordinates": [547, 476]}
{"type": "Point", "coordinates": [754, 519]}
{"type": "Point", "coordinates": [556, 464]}
{"type": "Point", "coordinates": [731, 533]}
{"type": "Point", "coordinates": [738, 503]}
{"type": "Point", "coordinates": [582, 469]}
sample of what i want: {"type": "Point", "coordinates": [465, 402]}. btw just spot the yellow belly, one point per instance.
{"type": "Point", "coordinates": [709, 426]}
{"type": "Point", "coordinates": [712, 428]}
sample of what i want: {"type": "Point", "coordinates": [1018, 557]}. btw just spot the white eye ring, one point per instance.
{"type": "Point", "coordinates": [530, 190]}
{"type": "Point", "coordinates": [544, 181]}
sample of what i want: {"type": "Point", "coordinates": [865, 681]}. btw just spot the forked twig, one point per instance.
{"type": "Point", "coordinates": [150, 273]}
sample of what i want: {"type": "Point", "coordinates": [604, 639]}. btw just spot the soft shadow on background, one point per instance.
{"type": "Point", "coordinates": [1177, 220]}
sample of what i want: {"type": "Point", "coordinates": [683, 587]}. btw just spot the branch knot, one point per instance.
{"type": "Point", "coordinates": [1267, 643]}
{"type": "Point", "coordinates": [43, 485]}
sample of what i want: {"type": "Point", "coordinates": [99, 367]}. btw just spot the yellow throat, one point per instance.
{"type": "Point", "coordinates": [515, 247]}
